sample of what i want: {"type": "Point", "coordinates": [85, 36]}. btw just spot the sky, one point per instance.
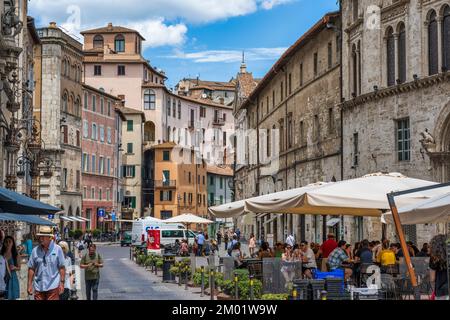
{"type": "Point", "coordinates": [190, 38]}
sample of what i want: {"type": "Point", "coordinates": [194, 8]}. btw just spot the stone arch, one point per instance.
{"type": "Point", "coordinates": [444, 7]}
{"type": "Point", "coordinates": [442, 130]}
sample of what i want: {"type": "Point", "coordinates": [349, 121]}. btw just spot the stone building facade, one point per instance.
{"type": "Point", "coordinates": [396, 114]}
{"type": "Point", "coordinates": [291, 126]}
{"type": "Point", "coordinates": [100, 165]}
{"type": "Point", "coordinates": [60, 111]}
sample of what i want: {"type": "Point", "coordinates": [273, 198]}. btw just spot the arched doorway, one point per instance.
{"type": "Point", "coordinates": [149, 132]}
{"type": "Point", "coordinates": [440, 156]}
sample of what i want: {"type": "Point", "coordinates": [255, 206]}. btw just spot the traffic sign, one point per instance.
{"type": "Point", "coordinates": [51, 216]}
{"type": "Point", "coordinates": [101, 212]}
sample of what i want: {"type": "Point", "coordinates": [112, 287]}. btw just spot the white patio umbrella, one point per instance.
{"type": "Point", "coordinates": [228, 210]}
{"type": "Point", "coordinates": [188, 218]}
{"type": "Point", "coordinates": [434, 210]}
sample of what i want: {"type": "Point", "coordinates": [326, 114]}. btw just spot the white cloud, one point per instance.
{"type": "Point", "coordinates": [228, 56]}
{"type": "Point", "coordinates": [162, 22]}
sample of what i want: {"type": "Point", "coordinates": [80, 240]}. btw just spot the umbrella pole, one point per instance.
{"type": "Point", "coordinates": [398, 228]}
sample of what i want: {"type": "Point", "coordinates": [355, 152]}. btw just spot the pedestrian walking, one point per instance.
{"type": "Point", "coordinates": [69, 272]}
{"type": "Point", "coordinates": [252, 245]}
{"type": "Point", "coordinates": [238, 234]}
{"type": "Point", "coordinates": [438, 267]}
{"type": "Point", "coordinates": [200, 242]}
{"type": "Point", "coordinates": [225, 240]}
{"type": "Point", "coordinates": [66, 232]}
{"type": "Point", "coordinates": [9, 253]}
{"type": "Point", "coordinates": [219, 238]}
{"type": "Point", "coordinates": [46, 267]}
{"type": "Point", "coordinates": [91, 262]}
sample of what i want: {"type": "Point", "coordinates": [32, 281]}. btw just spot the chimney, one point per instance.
{"type": "Point", "coordinates": [110, 26]}
{"type": "Point", "coordinates": [52, 25]}
{"type": "Point", "coordinates": [222, 100]}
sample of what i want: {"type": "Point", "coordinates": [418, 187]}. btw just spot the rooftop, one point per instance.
{"type": "Point", "coordinates": [110, 28]}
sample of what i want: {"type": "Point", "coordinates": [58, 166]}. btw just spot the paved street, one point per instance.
{"type": "Point", "coordinates": [122, 279]}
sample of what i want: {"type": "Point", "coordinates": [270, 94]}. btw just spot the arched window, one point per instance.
{"type": "Point", "coordinates": [432, 44]}
{"type": "Point", "coordinates": [98, 42]}
{"type": "Point", "coordinates": [355, 71]}
{"type": "Point", "coordinates": [71, 102]}
{"type": "Point", "coordinates": [446, 38]}
{"type": "Point", "coordinates": [168, 133]}
{"type": "Point", "coordinates": [77, 107]}
{"type": "Point", "coordinates": [119, 43]}
{"type": "Point", "coordinates": [390, 54]}
{"type": "Point", "coordinates": [401, 53]}
{"type": "Point", "coordinates": [149, 99]}
{"type": "Point", "coordinates": [64, 102]}
{"type": "Point", "coordinates": [179, 109]}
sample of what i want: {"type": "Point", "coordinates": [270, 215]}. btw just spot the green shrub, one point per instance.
{"type": "Point", "coordinates": [76, 234]}
{"type": "Point", "coordinates": [96, 233]}
{"type": "Point", "coordinates": [159, 262]}
{"type": "Point", "coordinates": [278, 296]}
{"type": "Point", "coordinates": [148, 261]}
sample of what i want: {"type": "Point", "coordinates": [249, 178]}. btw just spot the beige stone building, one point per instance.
{"type": "Point", "coordinates": [396, 114]}
{"type": "Point", "coordinates": [291, 128]}
{"type": "Point", "coordinates": [59, 107]}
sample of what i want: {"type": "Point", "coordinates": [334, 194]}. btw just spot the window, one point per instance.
{"type": "Point", "coordinates": [301, 74]}
{"type": "Point", "coordinates": [168, 107]}
{"type": "Point", "coordinates": [120, 70]}
{"type": "Point", "coordinates": [85, 129]}
{"type": "Point", "coordinates": [330, 55]}
{"type": "Point", "coordinates": [165, 195]}
{"type": "Point", "coordinates": [98, 42]}
{"type": "Point", "coordinates": [85, 163]}
{"type": "Point", "coordinates": [268, 143]}
{"type": "Point", "coordinates": [355, 149]}
{"type": "Point", "coordinates": [78, 140]}
{"type": "Point", "coordinates": [149, 99]}
{"type": "Point", "coordinates": [390, 57]}
{"type": "Point", "coordinates": [281, 91]}
{"type": "Point", "coordinates": [86, 99]}
{"type": "Point", "coordinates": [401, 54]}
{"type": "Point", "coordinates": [108, 166]}
{"type": "Point", "coordinates": [107, 194]}
{"type": "Point", "coordinates": [129, 171]}
{"type": "Point", "coordinates": [129, 147]}
{"type": "Point", "coordinates": [446, 38]}
{"type": "Point", "coordinates": [94, 132]}
{"type": "Point", "coordinates": [203, 179]}
{"type": "Point", "coordinates": [94, 103]}
{"type": "Point", "coordinates": [88, 162]}
{"type": "Point", "coordinates": [189, 177]}
{"type": "Point", "coordinates": [92, 193]}
{"type": "Point", "coordinates": [290, 83]}
{"type": "Point", "coordinates": [221, 199]}
{"type": "Point", "coordinates": [290, 135]}
{"type": "Point", "coordinates": [102, 106]}
{"type": "Point", "coordinates": [166, 155]}
{"type": "Point", "coordinates": [84, 192]}
{"type": "Point", "coordinates": [211, 180]}
{"type": "Point", "coordinates": [119, 43]}
{"type": "Point", "coordinates": [267, 104]}
{"type": "Point", "coordinates": [354, 70]}
{"type": "Point", "coordinates": [316, 64]}
{"type": "Point", "coordinates": [302, 134]}
{"type": "Point", "coordinates": [355, 10]}
{"type": "Point", "coordinates": [432, 44]}
{"type": "Point", "coordinates": [97, 70]}
{"type": "Point", "coordinates": [94, 163]}
{"type": "Point", "coordinates": [101, 165]}
{"type": "Point", "coordinates": [129, 202]}
{"type": "Point", "coordinates": [316, 127]}
{"type": "Point", "coordinates": [403, 140]}
{"type": "Point", "coordinates": [282, 146]}
{"type": "Point", "coordinates": [224, 139]}
{"type": "Point", "coordinates": [129, 125]}
{"type": "Point", "coordinates": [102, 134]}
{"type": "Point", "coordinates": [100, 196]}
{"type": "Point", "coordinates": [166, 214]}
{"type": "Point", "coordinates": [273, 99]}
{"type": "Point", "coordinates": [64, 102]}
{"type": "Point", "coordinates": [330, 121]}
{"type": "Point", "coordinates": [109, 108]}
{"type": "Point", "coordinates": [174, 109]}
{"type": "Point", "coordinates": [109, 137]}
{"type": "Point", "coordinates": [221, 182]}
{"type": "Point", "coordinates": [77, 107]}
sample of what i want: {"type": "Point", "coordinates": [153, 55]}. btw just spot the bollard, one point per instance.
{"type": "Point", "coordinates": [186, 269]}
{"type": "Point", "coordinates": [211, 283]}
{"type": "Point", "coordinates": [324, 295]}
{"type": "Point", "coordinates": [131, 256]}
{"type": "Point", "coordinates": [294, 294]}
{"type": "Point", "coordinates": [236, 295]}
{"type": "Point", "coordinates": [203, 282]}
{"type": "Point", "coordinates": [251, 287]}
{"type": "Point", "coordinates": [179, 277]}
{"type": "Point", "coordinates": [156, 268]}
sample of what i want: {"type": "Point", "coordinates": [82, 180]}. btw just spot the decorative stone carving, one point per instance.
{"type": "Point", "coordinates": [428, 142]}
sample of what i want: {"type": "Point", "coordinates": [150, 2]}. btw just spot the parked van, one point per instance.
{"type": "Point", "coordinates": [140, 227]}
{"type": "Point", "coordinates": [167, 236]}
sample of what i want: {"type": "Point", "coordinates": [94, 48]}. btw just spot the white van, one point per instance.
{"type": "Point", "coordinates": [171, 232]}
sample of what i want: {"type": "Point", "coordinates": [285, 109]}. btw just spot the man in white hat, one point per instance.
{"type": "Point", "coordinates": [46, 267]}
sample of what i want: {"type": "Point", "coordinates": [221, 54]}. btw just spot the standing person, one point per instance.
{"type": "Point", "coordinates": [290, 240]}
{"type": "Point", "coordinates": [225, 240]}
{"type": "Point", "coordinates": [386, 257]}
{"type": "Point", "coordinates": [238, 234]}
{"type": "Point", "coordinates": [425, 251]}
{"type": "Point", "coordinates": [66, 232]}
{"type": "Point", "coordinates": [438, 266]}
{"type": "Point", "coordinates": [326, 248]}
{"type": "Point", "coordinates": [69, 272]}
{"type": "Point", "coordinates": [252, 244]}
{"type": "Point", "coordinates": [200, 242]}
{"type": "Point", "coordinates": [92, 262]}
{"type": "Point", "coordinates": [46, 267]}
{"type": "Point", "coordinates": [27, 244]}
{"type": "Point", "coordinates": [2, 237]}
{"type": "Point", "coordinates": [3, 276]}
{"type": "Point", "coordinates": [219, 237]}
{"type": "Point", "coordinates": [9, 253]}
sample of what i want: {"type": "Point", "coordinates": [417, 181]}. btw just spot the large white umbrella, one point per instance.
{"type": "Point", "coordinates": [188, 218]}
{"type": "Point", "coordinates": [434, 210]}
{"type": "Point", "coordinates": [228, 210]}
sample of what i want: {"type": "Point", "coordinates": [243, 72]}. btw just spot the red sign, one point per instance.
{"type": "Point", "coordinates": [153, 239]}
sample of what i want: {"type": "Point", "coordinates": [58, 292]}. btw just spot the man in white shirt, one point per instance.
{"type": "Point", "coordinates": [308, 259]}
{"type": "Point", "coordinates": [290, 240]}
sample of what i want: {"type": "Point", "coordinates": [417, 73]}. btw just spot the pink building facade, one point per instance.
{"type": "Point", "coordinates": [100, 162]}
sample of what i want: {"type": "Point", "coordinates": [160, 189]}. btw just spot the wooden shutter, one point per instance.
{"type": "Point", "coordinates": [433, 45]}
{"type": "Point", "coordinates": [391, 59]}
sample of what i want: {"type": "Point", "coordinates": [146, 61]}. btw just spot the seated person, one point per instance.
{"type": "Point", "coordinates": [264, 251]}
{"type": "Point", "coordinates": [338, 257]}
{"type": "Point", "coordinates": [386, 257]}
{"type": "Point", "coordinates": [237, 256]}
{"type": "Point", "coordinates": [364, 254]}
{"type": "Point", "coordinates": [308, 259]}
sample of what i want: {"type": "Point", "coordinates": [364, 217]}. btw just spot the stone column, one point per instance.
{"type": "Point", "coordinates": [440, 52]}
{"type": "Point", "coordinates": [426, 56]}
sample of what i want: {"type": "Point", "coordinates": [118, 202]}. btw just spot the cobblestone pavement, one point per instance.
{"type": "Point", "coordinates": [122, 279]}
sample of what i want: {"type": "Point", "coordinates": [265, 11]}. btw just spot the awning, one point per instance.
{"type": "Point", "coordinates": [84, 219]}
{"type": "Point", "coordinates": [11, 201]}
{"type": "Point", "coordinates": [77, 219]}
{"type": "Point", "coordinates": [66, 218]}
{"type": "Point", "coordinates": [4, 216]}
{"type": "Point", "coordinates": [333, 222]}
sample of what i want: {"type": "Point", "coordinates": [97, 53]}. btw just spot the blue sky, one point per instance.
{"type": "Point", "coordinates": [196, 37]}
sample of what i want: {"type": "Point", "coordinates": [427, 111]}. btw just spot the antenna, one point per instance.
{"type": "Point", "coordinates": [243, 56]}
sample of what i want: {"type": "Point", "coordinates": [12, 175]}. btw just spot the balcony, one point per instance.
{"type": "Point", "coordinates": [126, 210]}
{"type": "Point", "coordinates": [191, 124]}
{"type": "Point", "coordinates": [165, 184]}
{"type": "Point", "coordinates": [218, 121]}
{"type": "Point", "coordinates": [148, 144]}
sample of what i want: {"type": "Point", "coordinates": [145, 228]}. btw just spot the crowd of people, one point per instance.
{"type": "Point", "coordinates": [50, 267]}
